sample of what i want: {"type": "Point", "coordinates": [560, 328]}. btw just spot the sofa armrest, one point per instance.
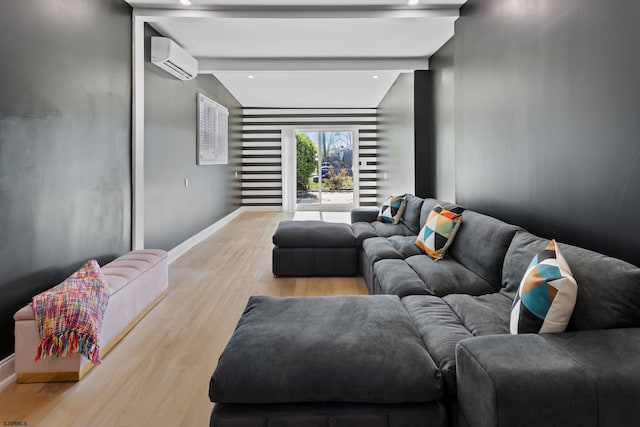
{"type": "Point", "coordinates": [586, 378]}
{"type": "Point", "coordinates": [364, 214]}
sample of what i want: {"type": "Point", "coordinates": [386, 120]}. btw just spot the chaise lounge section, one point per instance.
{"type": "Point", "coordinates": [292, 353]}
{"type": "Point", "coordinates": [461, 308]}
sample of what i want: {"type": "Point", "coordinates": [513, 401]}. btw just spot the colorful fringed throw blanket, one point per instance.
{"type": "Point", "coordinates": [69, 316]}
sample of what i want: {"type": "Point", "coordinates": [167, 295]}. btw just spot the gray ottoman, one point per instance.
{"type": "Point", "coordinates": [314, 248]}
{"type": "Point", "coordinates": [301, 361]}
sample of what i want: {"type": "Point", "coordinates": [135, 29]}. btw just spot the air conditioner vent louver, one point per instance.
{"type": "Point", "coordinates": [177, 69]}
{"type": "Point", "coordinates": [166, 54]}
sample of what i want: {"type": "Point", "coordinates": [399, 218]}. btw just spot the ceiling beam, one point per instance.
{"type": "Point", "coordinates": [211, 65]}
{"type": "Point", "coordinates": [159, 15]}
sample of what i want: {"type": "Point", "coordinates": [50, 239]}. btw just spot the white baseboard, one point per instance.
{"type": "Point", "coordinates": [7, 371]}
{"type": "Point", "coordinates": [183, 247]}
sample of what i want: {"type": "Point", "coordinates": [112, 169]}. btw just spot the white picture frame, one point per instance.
{"type": "Point", "coordinates": [212, 132]}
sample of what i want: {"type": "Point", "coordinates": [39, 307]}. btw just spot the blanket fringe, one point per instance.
{"type": "Point", "coordinates": [70, 342]}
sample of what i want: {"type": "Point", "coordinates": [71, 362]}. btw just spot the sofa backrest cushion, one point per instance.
{"type": "Point", "coordinates": [608, 288]}
{"type": "Point", "coordinates": [411, 215]}
{"type": "Point", "coordinates": [427, 207]}
{"type": "Point", "coordinates": [481, 244]}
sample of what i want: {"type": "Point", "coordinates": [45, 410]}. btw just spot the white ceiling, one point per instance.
{"type": "Point", "coordinates": [305, 53]}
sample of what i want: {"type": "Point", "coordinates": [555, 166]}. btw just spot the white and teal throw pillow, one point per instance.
{"type": "Point", "coordinates": [546, 296]}
{"type": "Point", "coordinates": [392, 209]}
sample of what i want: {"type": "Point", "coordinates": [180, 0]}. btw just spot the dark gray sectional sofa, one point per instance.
{"type": "Point", "coordinates": [460, 309]}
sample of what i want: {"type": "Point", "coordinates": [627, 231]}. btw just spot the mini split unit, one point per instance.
{"type": "Point", "coordinates": [166, 54]}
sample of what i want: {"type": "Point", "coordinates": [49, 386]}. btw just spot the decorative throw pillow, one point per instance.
{"type": "Point", "coordinates": [69, 316]}
{"type": "Point", "coordinates": [546, 296]}
{"type": "Point", "coordinates": [438, 232]}
{"type": "Point", "coordinates": [392, 209]}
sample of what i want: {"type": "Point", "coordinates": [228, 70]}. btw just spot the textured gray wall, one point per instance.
{"type": "Point", "coordinates": [548, 118]}
{"type": "Point", "coordinates": [173, 212]}
{"type": "Point", "coordinates": [65, 138]}
{"type": "Point", "coordinates": [397, 138]}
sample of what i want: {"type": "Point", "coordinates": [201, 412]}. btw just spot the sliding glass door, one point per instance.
{"type": "Point", "coordinates": [326, 169]}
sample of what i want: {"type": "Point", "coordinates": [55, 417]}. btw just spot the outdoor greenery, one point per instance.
{"type": "Point", "coordinates": [338, 181]}
{"type": "Point", "coordinates": [306, 158]}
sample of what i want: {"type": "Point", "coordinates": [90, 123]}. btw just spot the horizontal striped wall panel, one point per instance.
{"type": "Point", "coordinates": [259, 151]}
{"type": "Point", "coordinates": [261, 177]}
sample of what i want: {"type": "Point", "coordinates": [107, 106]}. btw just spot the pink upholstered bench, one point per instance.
{"type": "Point", "coordinates": [138, 281]}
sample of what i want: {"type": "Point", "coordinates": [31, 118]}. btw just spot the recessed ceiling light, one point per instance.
{"type": "Point", "coordinates": [251, 76]}
{"type": "Point", "coordinates": [376, 76]}
{"type": "Point", "coordinates": [186, 2]}
{"type": "Point", "coordinates": [414, 1]}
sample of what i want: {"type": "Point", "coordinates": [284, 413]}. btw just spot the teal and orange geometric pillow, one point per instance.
{"type": "Point", "coordinates": [438, 232]}
{"type": "Point", "coordinates": [392, 209]}
{"type": "Point", "coordinates": [546, 296]}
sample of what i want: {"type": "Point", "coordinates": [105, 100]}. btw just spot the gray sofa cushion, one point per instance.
{"type": "Point", "coordinates": [411, 215]}
{"type": "Point", "coordinates": [448, 276]}
{"type": "Point", "coordinates": [524, 381]}
{"type": "Point", "coordinates": [608, 288]}
{"type": "Point", "coordinates": [395, 277]}
{"type": "Point", "coordinates": [363, 231]}
{"type": "Point", "coordinates": [393, 247]}
{"type": "Point", "coordinates": [610, 359]}
{"type": "Point", "coordinates": [325, 349]}
{"type": "Point", "coordinates": [585, 378]}
{"type": "Point", "coordinates": [377, 248]}
{"type": "Point", "coordinates": [443, 322]}
{"type": "Point", "coordinates": [366, 214]}
{"type": "Point", "coordinates": [385, 230]}
{"type": "Point", "coordinates": [481, 244]}
{"type": "Point", "coordinates": [366, 271]}
{"type": "Point", "coordinates": [482, 315]}
{"type": "Point", "coordinates": [405, 245]}
{"type": "Point", "coordinates": [366, 230]}
{"type": "Point", "coordinates": [441, 330]}
{"type": "Point", "coordinates": [314, 234]}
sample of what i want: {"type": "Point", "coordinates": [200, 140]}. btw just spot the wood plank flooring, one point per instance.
{"type": "Point", "coordinates": [158, 375]}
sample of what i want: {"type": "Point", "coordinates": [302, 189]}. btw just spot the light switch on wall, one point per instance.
{"type": "Point", "coordinates": [186, 183]}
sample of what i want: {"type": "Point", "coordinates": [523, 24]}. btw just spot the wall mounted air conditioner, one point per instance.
{"type": "Point", "coordinates": [166, 54]}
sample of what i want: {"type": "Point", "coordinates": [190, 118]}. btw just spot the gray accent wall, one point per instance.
{"type": "Point", "coordinates": [173, 211]}
{"type": "Point", "coordinates": [424, 149]}
{"type": "Point", "coordinates": [397, 138]}
{"type": "Point", "coordinates": [65, 141]}
{"type": "Point", "coordinates": [547, 118]}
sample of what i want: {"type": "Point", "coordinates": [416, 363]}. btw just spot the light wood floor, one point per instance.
{"type": "Point", "coordinates": [158, 375]}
